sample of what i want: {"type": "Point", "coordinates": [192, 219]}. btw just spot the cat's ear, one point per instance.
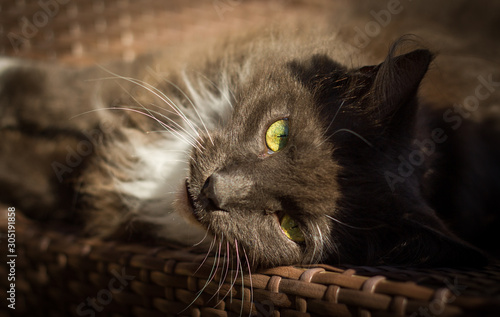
{"type": "Point", "coordinates": [425, 241]}
{"type": "Point", "coordinates": [391, 87]}
{"type": "Point", "coordinates": [382, 95]}
{"type": "Point", "coordinates": [395, 83]}
{"type": "Point", "coordinates": [398, 77]}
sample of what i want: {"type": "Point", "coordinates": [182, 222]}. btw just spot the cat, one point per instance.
{"type": "Point", "coordinates": [272, 145]}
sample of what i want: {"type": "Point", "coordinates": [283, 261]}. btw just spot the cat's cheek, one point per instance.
{"type": "Point", "coordinates": [183, 207]}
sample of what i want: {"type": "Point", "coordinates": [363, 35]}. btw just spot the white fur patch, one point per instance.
{"type": "Point", "coordinates": [207, 103]}
{"type": "Point", "coordinates": [155, 178]}
{"type": "Point", "coordinates": [161, 163]}
{"type": "Point", "coordinates": [158, 163]}
{"type": "Point", "coordinates": [160, 166]}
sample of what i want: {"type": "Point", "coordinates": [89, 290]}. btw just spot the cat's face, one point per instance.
{"type": "Point", "coordinates": [296, 175]}
{"type": "Point", "coordinates": [266, 179]}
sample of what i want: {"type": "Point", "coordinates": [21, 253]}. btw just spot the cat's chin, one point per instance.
{"type": "Point", "coordinates": [184, 207]}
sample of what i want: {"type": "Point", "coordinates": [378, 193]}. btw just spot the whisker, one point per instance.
{"type": "Point", "coordinates": [231, 281]}
{"type": "Point", "coordinates": [164, 125]}
{"type": "Point", "coordinates": [311, 261]}
{"type": "Point", "coordinates": [353, 133]}
{"type": "Point", "coordinates": [228, 252]}
{"type": "Point", "coordinates": [90, 111]}
{"type": "Point", "coordinates": [204, 237]}
{"type": "Point", "coordinates": [156, 92]}
{"type": "Point", "coordinates": [211, 276]}
{"type": "Point", "coordinates": [149, 111]}
{"type": "Point", "coordinates": [362, 139]}
{"type": "Point", "coordinates": [163, 116]}
{"type": "Point", "coordinates": [331, 122]}
{"type": "Point", "coordinates": [139, 103]}
{"type": "Point", "coordinates": [240, 266]}
{"type": "Point", "coordinates": [221, 281]}
{"type": "Point", "coordinates": [335, 116]}
{"type": "Point", "coordinates": [225, 276]}
{"type": "Point", "coordinates": [353, 227]}
{"type": "Point", "coordinates": [194, 107]}
{"type": "Point", "coordinates": [220, 90]}
{"type": "Point", "coordinates": [314, 257]}
{"type": "Point", "coordinates": [250, 277]}
{"type": "Point", "coordinates": [206, 256]}
{"type": "Point", "coordinates": [162, 96]}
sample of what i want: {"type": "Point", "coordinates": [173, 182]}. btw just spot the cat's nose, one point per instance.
{"type": "Point", "coordinates": [212, 197]}
{"type": "Point", "coordinates": [223, 191]}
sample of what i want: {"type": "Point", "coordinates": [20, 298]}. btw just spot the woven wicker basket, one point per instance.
{"type": "Point", "coordinates": [59, 273]}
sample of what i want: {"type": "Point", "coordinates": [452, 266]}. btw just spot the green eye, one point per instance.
{"type": "Point", "coordinates": [291, 229]}
{"type": "Point", "coordinates": [277, 135]}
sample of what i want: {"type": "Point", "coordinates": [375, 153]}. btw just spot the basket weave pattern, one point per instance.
{"type": "Point", "coordinates": [61, 274]}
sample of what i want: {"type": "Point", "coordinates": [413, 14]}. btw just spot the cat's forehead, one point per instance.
{"type": "Point", "coordinates": [273, 93]}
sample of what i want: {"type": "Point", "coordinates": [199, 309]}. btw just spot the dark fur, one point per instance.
{"type": "Point", "coordinates": [343, 177]}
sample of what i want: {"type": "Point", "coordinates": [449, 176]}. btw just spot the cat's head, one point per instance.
{"type": "Point", "coordinates": [301, 172]}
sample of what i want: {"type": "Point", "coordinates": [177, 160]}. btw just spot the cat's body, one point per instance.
{"type": "Point", "coordinates": [350, 174]}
